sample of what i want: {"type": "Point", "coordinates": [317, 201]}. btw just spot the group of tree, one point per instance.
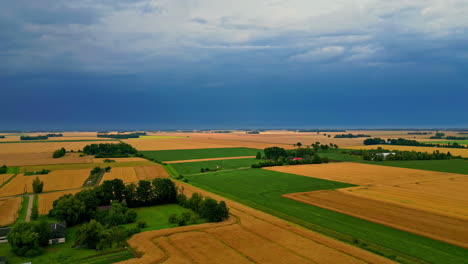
{"type": "Point", "coordinates": [2, 136]}
{"type": "Point", "coordinates": [255, 132]}
{"type": "Point", "coordinates": [456, 138]}
{"type": "Point", "coordinates": [59, 153]}
{"type": "Point", "coordinates": [41, 172]}
{"type": "Point", "coordinates": [407, 155]}
{"type": "Point", "coordinates": [407, 142]}
{"type": "Point", "coordinates": [274, 153]}
{"type": "Point", "coordinates": [351, 136]}
{"type": "Point", "coordinates": [3, 169]}
{"type": "Point", "coordinates": [34, 138]}
{"type": "Point", "coordinates": [206, 207]}
{"type": "Point", "coordinates": [419, 133]}
{"type": "Point", "coordinates": [26, 238]}
{"type": "Point", "coordinates": [438, 136]}
{"type": "Point", "coordinates": [122, 136]}
{"type": "Point", "coordinates": [315, 159]}
{"type": "Point", "coordinates": [276, 156]}
{"type": "Point", "coordinates": [54, 135]}
{"type": "Point", "coordinates": [321, 130]}
{"type": "Point", "coordinates": [37, 185]}
{"type": "Point", "coordinates": [82, 207]}
{"type": "Point", "coordinates": [107, 150]}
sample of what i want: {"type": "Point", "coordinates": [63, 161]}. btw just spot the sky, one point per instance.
{"type": "Point", "coordinates": [182, 64]}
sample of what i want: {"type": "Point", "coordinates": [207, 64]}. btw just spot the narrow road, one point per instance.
{"type": "Point", "coordinates": [30, 205]}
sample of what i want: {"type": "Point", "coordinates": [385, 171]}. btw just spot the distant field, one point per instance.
{"type": "Point", "coordinates": [85, 166]}
{"type": "Point", "coordinates": [56, 140]}
{"type": "Point", "coordinates": [158, 137]}
{"type": "Point", "coordinates": [188, 154]}
{"type": "Point", "coordinates": [187, 168]}
{"type": "Point", "coordinates": [452, 166]}
{"type": "Point", "coordinates": [262, 189]}
{"type": "Point", "coordinates": [461, 142]}
{"type": "Point", "coordinates": [454, 151]}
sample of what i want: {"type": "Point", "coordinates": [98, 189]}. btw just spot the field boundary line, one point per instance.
{"type": "Point", "coordinates": [7, 181]}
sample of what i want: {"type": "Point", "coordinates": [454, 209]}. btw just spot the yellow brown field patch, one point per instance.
{"type": "Point", "coordinates": [9, 209]}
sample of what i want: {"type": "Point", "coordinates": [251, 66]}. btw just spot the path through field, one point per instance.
{"type": "Point", "coordinates": [30, 205]}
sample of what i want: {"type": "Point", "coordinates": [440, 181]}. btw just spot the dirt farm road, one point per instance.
{"type": "Point", "coordinates": [30, 205]}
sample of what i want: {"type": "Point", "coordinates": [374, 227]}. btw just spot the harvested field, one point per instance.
{"type": "Point", "coordinates": [440, 227]}
{"type": "Point", "coordinates": [188, 154]}
{"type": "Point", "coordinates": [453, 151]}
{"type": "Point", "coordinates": [126, 174]}
{"type": "Point", "coordinates": [101, 160]}
{"type": "Point", "coordinates": [198, 160]}
{"type": "Point", "coordinates": [46, 200]}
{"type": "Point", "coordinates": [4, 178]}
{"type": "Point", "coordinates": [8, 210]}
{"type": "Point", "coordinates": [437, 192]}
{"type": "Point", "coordinates": [247, 236]}
{"type": "Point", "coordinates": [41, 158]}
{"type": "Point", "coordinates": [85, 166]}
{"type": "Point", "coordinates": [54, 181]}
{"type": "Point", "coordinates": [44, 146]}
{"type": "Point", "coordinates": [150, 172]}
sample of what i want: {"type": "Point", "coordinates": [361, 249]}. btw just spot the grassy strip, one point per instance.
{"type": "Point", "coordinates": [188, 154]}
{"type": "Point", "coordinates": [262, 189]}
{"type": "Point", "coordinates": [48, 141]}
{"type": "Point", "coordinates": [85, 166]}
{"type": "Point", "coordinates": [13, 170]}
{"type": "Point", "coordinates": [453, 166]}
{"type": "Point", "coordinates": [461, 142]}
{"type": "Point", "coordinates": [7, 181]}
{"type": "Point", "coordinates": [94, 179]}
{"type": "Point", "coordinates": [106, 257]}
{"type": "Point", "coordinates": [23, 210]}
{"type": "Point", "coordinates": [171, 171]}
{"type": "Point", "coordinates": [188, 168]}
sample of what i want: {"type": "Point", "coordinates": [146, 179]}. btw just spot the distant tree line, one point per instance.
{"type": "Point", "coordinates": [438, 136]}
{"type": "Point", "coordinates": [122, 136]}
{"type": "Point", "coordinates": [108, 150]}
{"type": "Point", "coordinates": [321, 130]}
{"type": "Point", "coordinates": [276, 156]}
{"type": "Point", "coordinates": [253, 132]}
{"type": "Point", "coordinates": [54, 135]}
{"type": "Point", "coordinates": [34, 137]}
{"type": "Point", "coordinates": [2, 136]}
{"type": "Point", "coordinates": [407, 142]}
{"type": "Point", "coordinates": [351, 136]}
{"type": "Point", "coordinates": [221, 131]}
{"type": "Point", "coordinates": [419, 133]}
{"type": "Point", "coordinates": [376, 155]}
{"type": "Point", "coordinates": [456, 138]}
{"type": "Point", "coordinates": [59, 153]}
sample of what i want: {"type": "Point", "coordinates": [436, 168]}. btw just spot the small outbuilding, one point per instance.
{"type": "Point", "coordinates": [58, 232]}
{"type": "Point", "coordinates": [4, 233]}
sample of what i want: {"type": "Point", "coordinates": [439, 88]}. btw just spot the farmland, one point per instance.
{"type": "Point", "coordinates": [46, 200]}
{"type": "Point", "coordinates": [44, 146]}
{"type": "Point", "coordinates": [263, 189]}
{"type": "Point", "coordinates": [248, 236]}
{"type": "Point", "coordinates": [9, 209]}
{"type": "Point", "coordinates": [461, 142]}
{"type": "Point", "coordinates": [84, 166]}
{"type": "Point", "coordinates": [150, 172]}
{"type": "Point", "coordinates": [452, 166]}
{"type": "Point", "coordinates": [188, 154]}
{"type": "Point", "coordinates": [41, 158]}
{"type": "Point", "coordinates": [126, 174]}
{"type": "Point", "coordinates": [187, 168]}
{"type": "Point", "coordinates": [453, 151]}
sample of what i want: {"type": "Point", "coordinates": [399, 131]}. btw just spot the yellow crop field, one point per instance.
{"type": "Point", "coordinates": [46, 200]}
{"type": "Point", "coordinates": [126, 174]}
{"type": "Point", "coordinates": [44, 146]}
{"type": "Point", "coordinates": [150, 172]}
{"type": "Point", "coordinates": [41, 158]}
{"type": "Point", "coordinates": [4, 178]}
{"type": "Point", "coordinates": [54, 181]}
{"type": "Point", "coordinates": [8, 210]}
{"type": "Point", "coordinates": [453, 151]}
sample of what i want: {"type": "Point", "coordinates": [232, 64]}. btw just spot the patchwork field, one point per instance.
{"type": "Point", "coordinates": [4, 178]}
{"type": "Point", "coordinates": [187, 168]}
{"type": "Point", "coordinates": [263, 189]}
{"type": "Point", "coordinates": [85, 166]}
{"type": "Point", "coordinates": [188, 154]}
{"type": "Point", "coordinates": [55, 180]}
{"type": "Point", "coordinates": [46, 200]}
{"type": "Point", "coordinates": [44, 146]}
{"type": "Point", "coordinates": [248, 236]}
{"type": "Point", "coordinates": [452, 166]}
{"type": "Point", "coordinates": [448, 229]}
{"type": "Point", "coordinates": [453, 151]}
{"type": "Point", "coordinates": [437, 192]}
{"type": "Point", "coordinates": [9, 209]}
{"type": "Point", "coordinates": [41, 158]}
{"type": "Point", "coordinates": [150, 172]}
{"type": "Point", "coordinates": [126, 174]}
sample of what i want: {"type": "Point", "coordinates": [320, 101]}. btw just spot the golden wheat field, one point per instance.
{"type": "Point", "coordinates": [41, 158]}
{"type": "Point", "coordinates": [436, 226]}
{"type": "Point", "coordinates": [9, 210]}
{"type": "Point", "coordinates": [453, 151]}
{"type": "Point", "coordinates": [4, 178]}
{"type": "Point", "coordinates": [46, 200]}
{"type": "Point", "coordinates": [54, 181]}
{"type": "Point", "coordinates": [150, 172]}
{"type": "Point", "coordinates": [44, 146]}
{"type": "Point", "coordinates": [126, 174]}
{"type": "Point", "coordinates": [247, 236]}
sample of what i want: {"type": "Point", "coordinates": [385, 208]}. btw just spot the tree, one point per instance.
{"type": "Point", "coordinates": [298, 144]}
{"type": "Point", "coordinates": [165, 191]}
{"type": "Point", "coordinates": [259, 155]}
{"type": "Point", "coordinates": [37, 185]}
{"type": "Point", "coordinates": [59, 153]}
{"type": "Point", "coordinates": [42, 228]}
{"type": "Point", "coordinates": [275, 153]}
{"type": "Point", "coordinates": [34, 212]}
{"type": "Point", "coordinates": [24, 240]}
{"type": "Point", "coordinates": [91, 201]}
{"type": "Point", "coordinates": [91, 235]}
{"type": "Point", "coordinates": [223, 211]}
{"type": "Point", "coordinates": [144, 192]}
{"type": "Point", "coordinates": [69, 209]}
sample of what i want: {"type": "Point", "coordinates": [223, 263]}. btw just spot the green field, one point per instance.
{"type": "Point", "coordinates": [156, 218]}
{"type": "Point", "coordinates": [188, 154]}
{"type": "Point", "coordinates": [23, 210]}
{"type": "Point", "coordinates": [262, 189]}
{"type": "Point", "coordinates": [187, 168]}
{"type": "Point", "coordinates": [337, 154]}
{"type": "Point", "coordinates": [461, 142]}
{"type": "Point", "coordinates": [453, 165]}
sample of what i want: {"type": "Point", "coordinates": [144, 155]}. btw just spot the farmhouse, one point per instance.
{"type": "Point", "coordinates": [58, 232]}
{"type": "Point", "coordinates": [384, 155]}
